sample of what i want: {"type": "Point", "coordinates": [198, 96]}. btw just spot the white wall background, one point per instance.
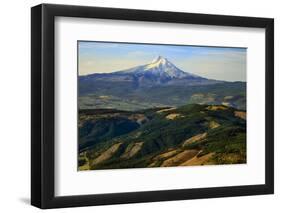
{"type": "Point", "coordinates": [15, 105]}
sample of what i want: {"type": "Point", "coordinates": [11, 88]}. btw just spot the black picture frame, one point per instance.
{"type": "Point", "coordinates": [43, 117]}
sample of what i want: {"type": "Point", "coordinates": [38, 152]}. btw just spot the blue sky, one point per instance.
{"type": "Point", "coordinates": [211, 62]}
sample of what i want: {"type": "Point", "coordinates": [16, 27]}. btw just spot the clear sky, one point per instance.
{"type": "Point", "coordinates": [211, 62]}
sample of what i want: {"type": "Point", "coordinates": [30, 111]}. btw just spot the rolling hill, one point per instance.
{"type": "Point", "coordinates": [161, 137]}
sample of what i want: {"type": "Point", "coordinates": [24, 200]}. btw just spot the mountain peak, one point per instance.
{"type": "Point", "coordinates": [162, 68]}
{"type": "Point", "coordinates": [159, 59]}
{"type": "Point", "coordinates": [161, 63]}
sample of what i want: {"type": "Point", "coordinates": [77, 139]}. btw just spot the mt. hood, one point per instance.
{"type": "Point", "coordinates": [160, 72]}
{"type": "Point", "coordinates": [159, 67]}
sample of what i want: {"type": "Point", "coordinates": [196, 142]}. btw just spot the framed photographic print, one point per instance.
{"type": "Point", "coordinates": [139, 106]}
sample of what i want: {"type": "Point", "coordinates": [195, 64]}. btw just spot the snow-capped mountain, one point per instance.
{"type": "Point", "coordinates": [156, 84]}
{"type": "Point", "coordinates": [160, 67]}
{"type": "Point", "coordinates": [160, 72]}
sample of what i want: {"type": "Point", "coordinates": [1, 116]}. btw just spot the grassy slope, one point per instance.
{"type": "Point", "coordinates": [226, 142]}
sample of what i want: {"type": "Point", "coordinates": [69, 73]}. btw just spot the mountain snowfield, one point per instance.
{"type": "Point", "coordinates": [161, 67]}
